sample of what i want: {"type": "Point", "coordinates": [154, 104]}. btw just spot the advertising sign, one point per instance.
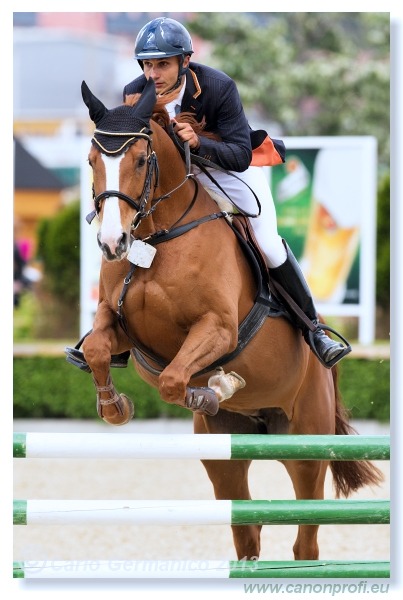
{"type": "Point", "coordinates": [325, 197]}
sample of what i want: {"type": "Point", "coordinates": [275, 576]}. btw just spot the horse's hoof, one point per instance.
{"type": "Point", "coordinates": [119, 411]}
{"type": "Point", "coordinates": [202, 400]}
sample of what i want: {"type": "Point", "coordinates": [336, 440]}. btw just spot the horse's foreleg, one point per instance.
{"type": "Point", "coordinates": [114, 408]}
{"type": "Point", "coordinates": [207, 340]}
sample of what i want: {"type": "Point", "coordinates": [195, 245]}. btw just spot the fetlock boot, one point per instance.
{"type": "Point", "coordinates": [290, 277]}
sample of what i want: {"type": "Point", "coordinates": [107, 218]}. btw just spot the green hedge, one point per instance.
{"type": "Point", "coordinates": [49, 387]}
{"type": "Point", "coordinates": [365, 388]}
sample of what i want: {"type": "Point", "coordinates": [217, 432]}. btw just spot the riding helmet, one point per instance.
{"type": "Point", "coordinates": [162, 37]}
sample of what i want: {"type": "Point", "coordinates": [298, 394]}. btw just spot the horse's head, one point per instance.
{"type": "Point", "coordinates": [122, 163]}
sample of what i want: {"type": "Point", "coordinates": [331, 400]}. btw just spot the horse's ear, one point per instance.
{"type": "Point", "coordinates": [96, 109]}
{"type": "Point", "coordinates": [143, 109]}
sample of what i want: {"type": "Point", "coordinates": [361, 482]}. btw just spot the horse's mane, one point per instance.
{"type": "Point", "coordinates": [160, 115]}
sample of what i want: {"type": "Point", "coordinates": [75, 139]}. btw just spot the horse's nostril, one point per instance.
{"type": "Point", "coordinates": [122, 245]}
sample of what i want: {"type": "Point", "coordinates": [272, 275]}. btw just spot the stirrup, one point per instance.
{"type": "Point", "coordinates": [76, 357]}
{"type": "Point", "coordinates": [309, 337]}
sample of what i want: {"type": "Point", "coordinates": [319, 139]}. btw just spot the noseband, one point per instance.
{"type": "Point", "coordinates": [152, 168]}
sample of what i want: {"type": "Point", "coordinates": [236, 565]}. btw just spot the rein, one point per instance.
{"type": "Point", "coordinates": [204, 164]}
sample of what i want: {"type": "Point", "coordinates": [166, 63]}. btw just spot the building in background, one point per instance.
{"type": "Point", "coordinates": [38, 193]}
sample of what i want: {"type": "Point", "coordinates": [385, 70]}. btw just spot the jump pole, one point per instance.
{"type": "Point", "coordinates": [199, 446]}
{"type": "Point", "coordinates": [226, 446]}
{"type": "Point", "coordinates": [201, 569]}
{"type": "Point", "coordinates": [200, 512]}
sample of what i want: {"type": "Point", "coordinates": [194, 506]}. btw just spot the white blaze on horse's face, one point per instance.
{"type": "Point", "coordinates": [112, 237]}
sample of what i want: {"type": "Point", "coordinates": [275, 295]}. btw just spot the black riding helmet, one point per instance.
{"type": "Point", "coordinates": [163, 37]}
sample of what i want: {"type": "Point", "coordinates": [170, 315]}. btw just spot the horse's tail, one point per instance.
{"type": "Point", "coordinates": [348, 475]}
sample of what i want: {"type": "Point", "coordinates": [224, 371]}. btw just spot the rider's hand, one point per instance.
{"type": "Point", "coordinates": [185, 132]}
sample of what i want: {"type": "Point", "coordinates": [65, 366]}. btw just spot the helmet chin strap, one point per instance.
{"type": "Point", "coordinates": [174, 87]}
{"type": "Point", "coordinates": [181, 72]}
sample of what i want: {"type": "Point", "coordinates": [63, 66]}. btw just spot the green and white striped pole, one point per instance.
{"type": "Point", "coordinates": [200, 512]}
{"type": "Point", "coordinates": [200, 569]}
{"type": "Point", "coordinates": [191, 446]}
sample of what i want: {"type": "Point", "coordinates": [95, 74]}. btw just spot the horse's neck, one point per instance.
{"type": "Point", "coordinates": [185, 204]}
{"type": "Point", "coordinates": [186, 200]}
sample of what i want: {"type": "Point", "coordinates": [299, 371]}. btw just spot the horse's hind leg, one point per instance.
{"type": "Point", "coordinates": [308, 478]}
{"type": "Point", "coordinates": [314, 414]}
{"type": "Point", "coordinates": [230, 482]}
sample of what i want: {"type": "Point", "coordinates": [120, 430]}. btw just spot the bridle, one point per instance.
{"type": "Point", "coordinates": [151, 173]}
{"type": "Point", "coordinates": [152, 168]}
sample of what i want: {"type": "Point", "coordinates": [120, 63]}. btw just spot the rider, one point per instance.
{"type": "Point", "coordinates": [163, 49]}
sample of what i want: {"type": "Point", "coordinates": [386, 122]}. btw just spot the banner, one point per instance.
{"type": "Point", "coordinates": [325, 197]}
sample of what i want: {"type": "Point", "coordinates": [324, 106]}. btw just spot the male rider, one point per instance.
{"type": "Point", "coordinates": [163, 49]}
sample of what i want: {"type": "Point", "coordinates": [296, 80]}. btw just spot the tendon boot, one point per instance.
{"type": "Point", "coordinates": [295, 292]}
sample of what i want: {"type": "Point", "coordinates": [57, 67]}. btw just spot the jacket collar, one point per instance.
{"type": "Point", "coordinates": [193, 90]}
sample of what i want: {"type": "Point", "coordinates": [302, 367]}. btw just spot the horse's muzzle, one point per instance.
{"type": "Point", "coordinates": [120, 248]}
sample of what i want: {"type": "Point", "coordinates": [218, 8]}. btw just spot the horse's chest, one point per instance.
{"type": "Point", "coordinates": [149, 302]}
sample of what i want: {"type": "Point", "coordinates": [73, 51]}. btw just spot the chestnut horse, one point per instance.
{"type": "Point", "coordinates": [175, 285]}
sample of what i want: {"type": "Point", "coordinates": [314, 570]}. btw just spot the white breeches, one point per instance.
{"type": "Point", "coordinates": [264, 226]}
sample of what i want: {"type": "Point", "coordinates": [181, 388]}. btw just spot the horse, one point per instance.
{"type": "Point", "coordinates": [175, 292]}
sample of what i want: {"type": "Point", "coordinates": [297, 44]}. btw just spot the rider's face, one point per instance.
{"type": "Point", "coordinates": [164, 72]}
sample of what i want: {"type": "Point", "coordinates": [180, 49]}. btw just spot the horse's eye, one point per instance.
{"type": "Point", "coordinates": [141, 161]}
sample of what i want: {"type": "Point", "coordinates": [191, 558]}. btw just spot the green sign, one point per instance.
{"type": "Point", "coordinates": [317, 217]}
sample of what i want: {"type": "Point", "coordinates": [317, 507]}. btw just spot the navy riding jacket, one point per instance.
{"type": "Point", "coordinates": [212, 94]}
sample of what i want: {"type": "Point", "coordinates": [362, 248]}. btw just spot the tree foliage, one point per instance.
{"type": "Point", "coordinates": [308, 73]}
{"type": "Point", "coordinates": [383, 244]}
{"type": "Point", "coordinates": [59, 251]}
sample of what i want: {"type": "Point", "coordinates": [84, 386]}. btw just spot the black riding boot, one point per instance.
{"type": "Point", "coordinates": [290, 277]}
